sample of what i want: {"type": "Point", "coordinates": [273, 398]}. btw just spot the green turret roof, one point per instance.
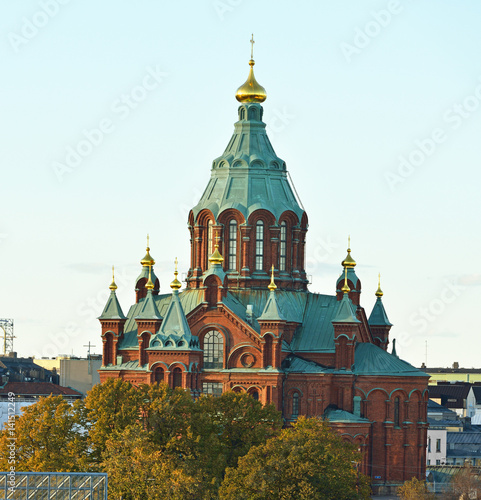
{"type": "Point", "coordinates": [149, 308]}
{"type": "Point", "coordinates": [249, 175]}
{"type": "Point", "coordinates": [351, 276]}
{"type": "Point", "coordinates": [271, 310]}
{"type": "Point", "coordinates": [145, 274]}
{"type": "Point", "coordinates": [345, 312]}
{"type": "Point", "coordinates": [378, 315]}
{"type": "Point", "coordinates": [112, 309]}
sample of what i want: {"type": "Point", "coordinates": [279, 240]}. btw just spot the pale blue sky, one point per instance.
{"type": "Point", "coordinates": [343, 107]}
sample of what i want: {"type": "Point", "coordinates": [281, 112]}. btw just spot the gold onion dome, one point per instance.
{"type": "Point", "coordinates": [251, 91]}
{"type": "Point", "coordinates": [113, 286]}
{"type": "Point", "coordinates": [345, 288]}
{"type": "Point", "coordinates": [349, 262]}
{"type": "Point", "coordinates": [176, 284]}
{"type": "Point", "coordinates": [147, 260]}
{"type": "Point", "coordinates": [379, 292]}
{"type": "Point", "coordinates": [150, 285]}
{"type": "Point", "coordinates": [216, 257]}
{"type": "Point", "coordinates": [272, 286]}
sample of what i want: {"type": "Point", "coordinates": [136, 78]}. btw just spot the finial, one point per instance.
{"type": "Point", "coordinates": [349, 262]}
{"type": "Point", "coordinates": [272, 286]}
{"type": "Point", "coordinates": [345, 288]}
{"type": "Point", "coordinates": [113, 286]}
{"type": "Point", "coordinates": [147, 260]}
{"type": "Point", "coordinates": [393, 352]}
{"type": "Point", "coordinates": [216, 257]}
{"type": "Point", "coordinates": [251, 91]}
{"type": "Point", "coordinates": [379, 292]}
{"type": "Point", "coordinates": [176, 284]}
{"type": "Point", "coordinates": [149, 285]}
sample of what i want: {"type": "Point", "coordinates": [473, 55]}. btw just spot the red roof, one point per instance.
{"type": "Point", "coordinates": [37, 389]}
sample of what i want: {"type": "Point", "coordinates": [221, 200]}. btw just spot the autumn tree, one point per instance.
{"type": "Point", "coordinates": [415, 490]}
{"type": "Point", "coordinates": [308, 461]}
{"type": "Point", "coordinates": [467, 482]}
{"type": "Point", "coordinates": [48, 436]}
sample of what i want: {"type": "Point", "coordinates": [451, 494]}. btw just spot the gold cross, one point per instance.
{"type": "Point", "coordinates": [176, 262]}
{"type": "Point", "coordinates": [252, 46]}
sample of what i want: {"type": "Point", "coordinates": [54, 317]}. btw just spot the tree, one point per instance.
{"type": "Point", "coordinates": [308, 461]}
{"type": "Point", "coordinates": [467, 482]}
{"type": "Point", "coordinates": [48, 436]}
{"type": "Point", "coordinates": [415, 490]}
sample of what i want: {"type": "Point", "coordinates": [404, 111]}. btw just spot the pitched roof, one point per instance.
{"type": "Point", "coordinates": [372, 360]}
{"type": "Point", "coordinates": [149, 308]}
{"type": "Point", "coordinates": [345, 312]}
{"type": "Point", "coordinates": [477, 393]}
{"type": "Point", "coordinates": [449, 391]}
{"type": "Point", "coordinates": [336, 415]}
{"type": "Point", "coordinates": [271, 310]}
{"type": "Point", "coordinates": [112, 309]}
{"type": "Point", "coordinates": [378, 315]}
{"type": "Point", "coordinates": [37, 389]}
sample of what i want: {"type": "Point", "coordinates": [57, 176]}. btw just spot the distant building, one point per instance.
{"type": "Point", "coordinates": [14, 369]}
{"type": "Point", "coordinates": [452, 395]}
{"type": "Point", "coordinates": [80, 374]}
{"type": "Point", "coordinates": [473, 404]}
{"type": "Point", "coordinates": [453, 374]}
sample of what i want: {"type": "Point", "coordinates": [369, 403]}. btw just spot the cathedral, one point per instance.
{"type": "Point", "coordinates": [246, 321]}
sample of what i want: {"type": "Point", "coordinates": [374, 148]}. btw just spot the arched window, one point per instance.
{"type": "Point", "coordinates": [159, 374]}
{"type": "Point", "coordinates": [177, 378]}
{"type": "Point", "coordinates": [259, 245]}
{"type": "Point", "coordinates": [232, 261]}
{"type": "Point", "coordinates": [396, 412]}
{"type": "Point", "coordinates": [254, 394]}
{"type": "Point", "coordinates": [213, 350]}
{"type": "Point", "coordinates": [295, 405]}
{"type": "Point", "coordinates": [283, 247]}
{"type": "Point", "coordinates": [210, 238]}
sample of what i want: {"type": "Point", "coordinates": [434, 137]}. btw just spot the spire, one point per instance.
{"type": "Point", "coordinates": [393, 352]}
{"type": "Point", "coordinates": [150, 285]}
{"type": "Point", "coordinates": [379, 292]}
{"type": "Point", "coordinates": [112, 309]}
{"type": "Point", "coordinates": [349, 262]}
{"type": "Point", "coordinates": [176, 284]}
{"type": "Point", "coordinates": [345, 288]}
{"type": "Point", "coordinates": [113, 286]}
{"type": "Point", "coordinates": [345, 312]}
{"type": "Point", "coordinates": [147, 260]}
{"type": "Point", "coordinates": [272, 286]}
{"type": "Point", "coordinates": [216, 257]}
{"type": "Point", "coordinates": [251, 91]}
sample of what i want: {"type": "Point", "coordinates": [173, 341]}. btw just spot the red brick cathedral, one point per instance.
{"type": "Point", "coordinates": [247, 322]}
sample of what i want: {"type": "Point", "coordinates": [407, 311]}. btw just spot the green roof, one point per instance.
{"type": "Point", "coordinates": [295, 364]}
{"type": "Point", "coordinates": [378, 315]}
{"type": "Point", "coordinates": [149, 309]}
{"type": "Point", "coordinates": [336, 415]}
{"type": "Point", "coordinates": [112, 309]}
{"type": "Point", "coordinates": [144, 273]}
{"type": "Point", "coordinates": [249, 175]}
{"type": "Point", "coordinates": [372, 360]}
{"type": "Point", "coordinates": [345, 312]}
{"type": "Point", "coordinates": [271, 310]}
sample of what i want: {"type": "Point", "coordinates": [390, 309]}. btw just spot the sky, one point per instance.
{"type": "Point", "coordinates": [112, 112]}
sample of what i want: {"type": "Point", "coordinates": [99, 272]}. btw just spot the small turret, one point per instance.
{"type": "Point", "coordinates": [141, 282]}
{"type": "Point", "coordinates": [354, 282]}
{"type": "Point", "coordinates": [378, 321]}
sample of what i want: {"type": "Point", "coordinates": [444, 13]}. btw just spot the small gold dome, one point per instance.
{"type": "Point", "coordinates": [272, 286]}
{"type": "Point", "coordinates": [345, 288]}
{"type": "Point", "coordinates": [147, 260]}
{"type": "Point", "coordinates": [379, 292]}
{"type": "Point", "coordinates": [149, 285]}
{"type": "Point", "coordinates": [216, 257]}
{"type": "Point", "coordinates": [251, 91]}
{"type": "Point", "coordinates": [176, 284]}
{"type": "Point", "coordinates": [113, 286]}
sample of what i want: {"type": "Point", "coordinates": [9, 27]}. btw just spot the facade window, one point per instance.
{"type": "Point", "coordinates": [213, 350]}
{"type": "Point", "coordinates": [429, 462]}
{"type": "Point", "coordinates": [159, 374]}
{"type": "Point", "coordinates": [259, 245]}
{"type": "Point", "coordinates": [283, 247]}
{"type": "Point", "coordinates": [177, 378]}
{"type": "Point", "coordinates": [396, 412]}
{"type": "Point", "coordinates": [254, 394]}
{"type": "Point", "coordinates": [438, 445]}
{"type": "Point", "coordinates": [232, 245]}
{"type": "Point", "coordinates": [214, 388]}
{"type": "Point", "coordinates": [438, 462]}
{"type": "Point", "coordinates": [210, 239]}
{"type": "Point", "coordinates": [429, 445]}
{"type": "Point", "coordinates": [295, 405]}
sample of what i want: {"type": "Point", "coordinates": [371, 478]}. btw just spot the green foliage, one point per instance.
{"type": "Point", "coordinates": [309, 461]}
{"type": "Point", "coordinates": [48, 436]}
{"type": "Point", "coordinates": [414, 490]}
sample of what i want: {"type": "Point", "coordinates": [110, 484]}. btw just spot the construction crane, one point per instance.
{"type": "Point", "coordinates": [7, 326]}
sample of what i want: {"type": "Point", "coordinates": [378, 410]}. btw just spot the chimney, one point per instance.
{"type": "Point", "coordinates": [455, 365]}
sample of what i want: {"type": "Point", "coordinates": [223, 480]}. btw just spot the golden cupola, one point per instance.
{"type": "Point", "coordinates": [251, 91]}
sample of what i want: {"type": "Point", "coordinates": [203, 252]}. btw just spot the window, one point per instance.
{"type": "Point", "coordinates": [438, 445]}
{"type": "Point", "coordinates": [438, 462]}
{"type": "Point", "coordinates": [396, 412]}
{"type": "Point", "coordinates": [429, 445]}
{"type": "Point", "coordinates": [429, 462]}
{"type": "Point", "coordinates": [177, 378]}
{"type": "Point", "coordinates": [232, 245]}
{"type": "Point", "coordinates": [259, 245]}
{"type": "Point", "coordinates": [283, 247]}
{"type": "Point", "coordinates": [213, 350]}
{"type": "Point", "coordinates": [214, 388]}
{"type": "Point", "coordinates": [159, 374]}
{"type": "Point", "coordinates": [295, 405]}
{"type": "Point", "coordinates": [254, 394]}
{"type": "Point", "coordinates": [210, 239]}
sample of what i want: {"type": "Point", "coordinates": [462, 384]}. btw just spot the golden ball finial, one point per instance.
{"type": "Point", "coordinates": [345, 288]}
{"type": "Point", "coordinates": [176, 284]}
{"type": "Point", "coordinates": [272, 286]}
{"type": "Point", "coordinates": [251, 91]}
{"type": "Point", "coordinates": [349, 262]}
{"type": "Point", "coordinates": [216, 257]}
{"type": "Point", "coordinates": [150, 285]}
{"type": "Point", "coordinates": [379, 292]}
{"type": "Point", "coordinates": [113, 286]}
